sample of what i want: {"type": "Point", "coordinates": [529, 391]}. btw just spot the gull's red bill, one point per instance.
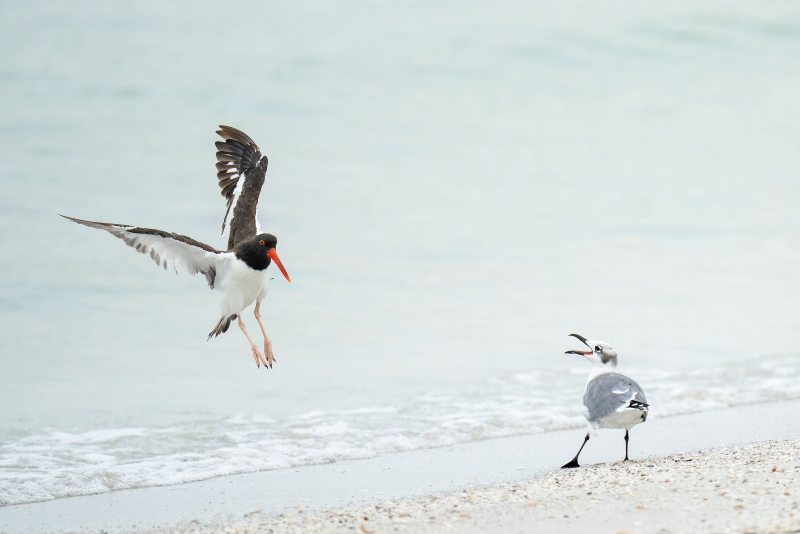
{"type": "Point", "coordinates": [581, 352]}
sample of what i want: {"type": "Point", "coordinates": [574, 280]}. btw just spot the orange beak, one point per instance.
{"type": "Point", "coordinates": [581, 352]}
{"type": "Point", "coordinates": [272, 253]}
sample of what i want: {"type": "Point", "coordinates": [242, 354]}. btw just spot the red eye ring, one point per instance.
{"type": "Point", "coordinates": [262, 242]}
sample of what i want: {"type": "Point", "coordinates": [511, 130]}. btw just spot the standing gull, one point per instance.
{"type": "Point", "coordinates": [238, 274]}
{"type": "Point", "coordinates": [611, 399]}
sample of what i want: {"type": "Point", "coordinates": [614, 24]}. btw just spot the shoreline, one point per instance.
{"type": "Point", "coordinates": [739, 488]}
{"type": "Point", "coordinates": [396, 477]}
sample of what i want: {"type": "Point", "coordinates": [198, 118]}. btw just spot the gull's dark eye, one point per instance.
{"type": "Point", "coordinates": [598, 349]}
{"type": "Point", "coordinates": [262, 242]}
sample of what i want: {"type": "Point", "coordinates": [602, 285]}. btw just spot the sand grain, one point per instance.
{"type": "Point", "coordinates": [745, 488]}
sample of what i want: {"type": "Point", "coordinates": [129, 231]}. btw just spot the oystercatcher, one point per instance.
{"type": "Point", "coordinates": [611, 399]}
{"type": "Point", "coordinates": [238, 274]}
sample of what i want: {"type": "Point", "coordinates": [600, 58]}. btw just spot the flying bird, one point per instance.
{"type": "Point", "coordinates": [611, 399]}
{"type": "Point", "coordinates": [238, 274]}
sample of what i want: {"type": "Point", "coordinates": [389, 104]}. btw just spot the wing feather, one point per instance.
{"type": "Point", "coordinates": [223, 165]}
{"type": "Point", "coordinates": [165, 248]}
{"type": "Point", "coordinates": [611, 392]}
{"type": "Point", "coordinates": [241, 170]}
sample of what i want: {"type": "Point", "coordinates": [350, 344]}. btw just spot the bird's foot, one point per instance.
{"type": "Point", "coordinates": [268, 351]}
{"type": "Point", "coordinates": [258, 356]}
{"type": "Point", "coordinates": [571, 465]}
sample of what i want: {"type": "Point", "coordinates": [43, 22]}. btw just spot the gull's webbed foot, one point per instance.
{"type": "Point", "coordinates": [572, 464]}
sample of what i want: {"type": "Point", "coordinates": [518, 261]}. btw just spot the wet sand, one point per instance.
{"type": "Point", "coordinates": [743, 488]}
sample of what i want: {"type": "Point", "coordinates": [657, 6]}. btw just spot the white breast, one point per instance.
{"type": "Point", "coordinates": [626, 418]}
{"type": "Point", "coordinates": [240, 286]}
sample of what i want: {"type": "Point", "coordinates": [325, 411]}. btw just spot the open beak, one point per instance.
{"type": "Point", "coordinates": [581, 352]}
{"type": "Point", "coordinates": [272, 253]}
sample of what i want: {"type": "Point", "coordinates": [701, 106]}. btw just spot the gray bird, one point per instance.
{"type": "Point", "coordinates": [611, 399]}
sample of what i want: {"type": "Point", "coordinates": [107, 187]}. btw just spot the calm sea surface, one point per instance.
{"type": "Point", "coordinates": [455, 186]}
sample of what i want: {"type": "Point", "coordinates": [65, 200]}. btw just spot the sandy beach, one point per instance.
{"type": "Point", "coordinates": [750, 488]}
{"type": "Point", "coordinates": [732, 470]}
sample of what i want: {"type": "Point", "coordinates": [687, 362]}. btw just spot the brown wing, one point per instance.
{"type": "Point", "coordinates": [241, 170]}
{"type": "Point", "coordinates": [165, 247]}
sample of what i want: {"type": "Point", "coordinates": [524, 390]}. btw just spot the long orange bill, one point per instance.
{"type": "Point", "coordinates": [272, 253]}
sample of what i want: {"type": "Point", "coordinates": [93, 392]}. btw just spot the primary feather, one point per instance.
{"type": "Point", "coordinates": [241, 171]}
{"type": "Point", "coordinates": [166, 248]}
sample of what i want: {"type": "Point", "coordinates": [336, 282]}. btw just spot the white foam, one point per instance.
{"type": "Point", "coordinates": [60, 464]}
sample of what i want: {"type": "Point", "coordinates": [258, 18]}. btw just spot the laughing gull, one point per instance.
{"type": "Point", "coordinates": [611, 399]}
{"type": "Point", "coordinates": [238, 274]}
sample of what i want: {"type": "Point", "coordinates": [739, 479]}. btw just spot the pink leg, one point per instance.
{"type": "Point", "coordinates": [267, 341]}
{"type": "Point", "coordinates": [256, 353]}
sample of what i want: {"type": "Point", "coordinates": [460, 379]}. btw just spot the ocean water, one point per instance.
{"type": "Point", "coordinates": [455, 188]}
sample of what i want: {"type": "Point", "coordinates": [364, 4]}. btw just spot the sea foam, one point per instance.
{"type": "Point", "coordinates": [57, 464]}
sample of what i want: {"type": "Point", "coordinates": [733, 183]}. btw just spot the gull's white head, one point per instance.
{"type": "Point", "coordinates": [600, 352]}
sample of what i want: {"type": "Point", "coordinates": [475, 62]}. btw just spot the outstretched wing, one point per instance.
{"type": "Point", "coordinates": [612, 392]}
{"type": "Point", "coordinates": [241, 170]}
{"type": "Point", "coordinates": [165, 247]}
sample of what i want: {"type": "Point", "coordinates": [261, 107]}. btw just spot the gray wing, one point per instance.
{"type": "Point", "coordinates": [165, 247]}
{"type": "Point", "coordinates": [612, 392]}
{"type": "Point", "coordinates": [241, 170]}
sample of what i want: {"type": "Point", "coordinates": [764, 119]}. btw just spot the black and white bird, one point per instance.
{"type": "Point", "coordinates": [611, 399]}
{"type": "Point", "coordinates": [239, 273]}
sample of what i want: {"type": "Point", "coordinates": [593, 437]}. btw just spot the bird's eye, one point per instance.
{"type": "Point", "coordinates": [262, 242]}
{"type": "Point", "coordinates": [598, 349]}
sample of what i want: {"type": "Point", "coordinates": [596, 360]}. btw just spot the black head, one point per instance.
{"type": "Point", "coordinates": [266, 240]}
{"type": "Point", "coordinates": [259, 252]}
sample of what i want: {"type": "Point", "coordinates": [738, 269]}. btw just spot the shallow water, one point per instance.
{"type": "Point", "coordinates": [454, 188]}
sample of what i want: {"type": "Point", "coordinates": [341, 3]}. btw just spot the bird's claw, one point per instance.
{"type": "Point", "coordinates": [270, 356]}
{"type": "Point", "coordinates": [258, 357]}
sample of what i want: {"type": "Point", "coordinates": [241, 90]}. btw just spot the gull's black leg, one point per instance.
{"type": "Point", "coordinates": [626, 447]}
{"type": "Point", "coordinates": [574, 462]}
